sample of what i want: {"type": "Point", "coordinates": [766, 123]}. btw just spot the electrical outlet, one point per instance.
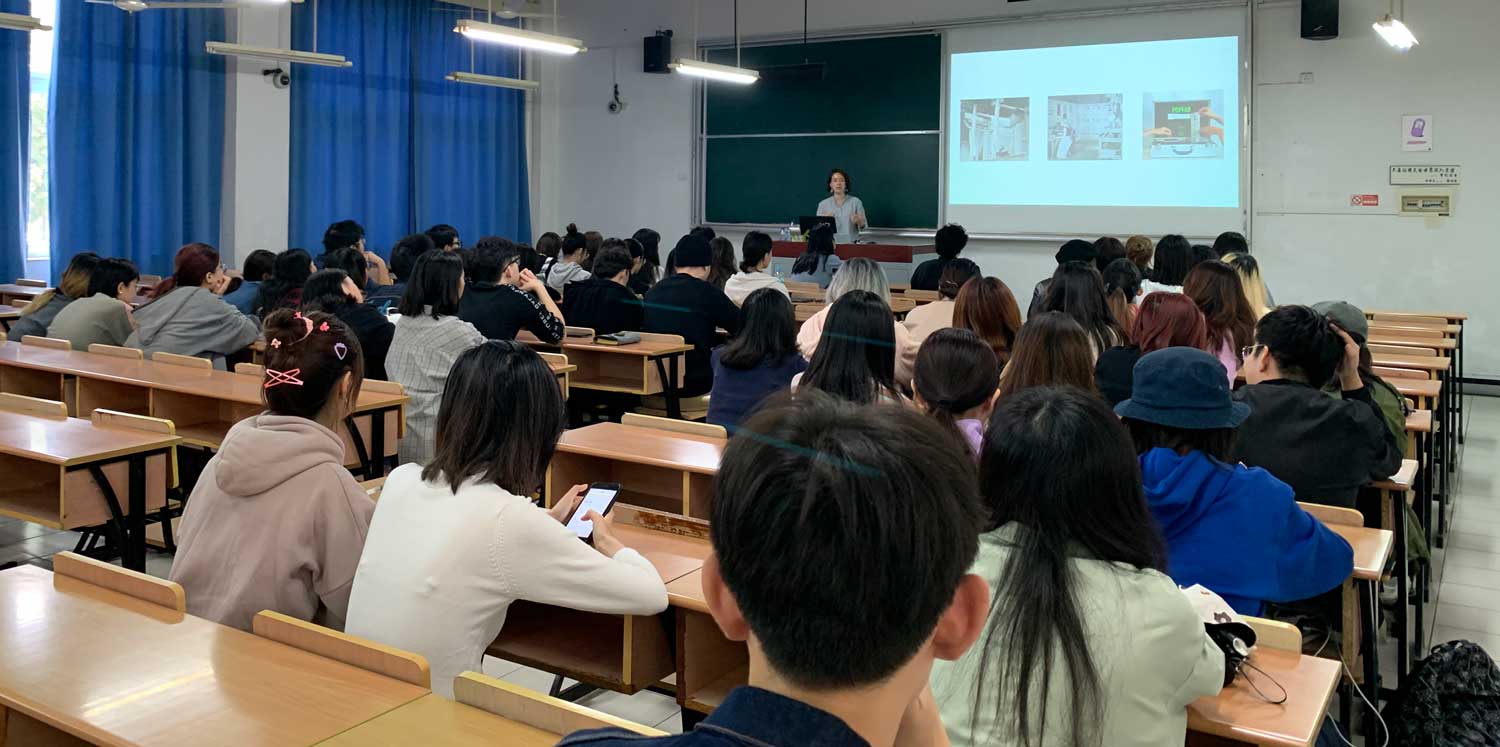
{"type": "Point", "coordinates": [1305, 78]}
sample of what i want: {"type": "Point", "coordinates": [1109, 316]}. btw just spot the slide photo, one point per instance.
{"type": "Point", "coordinates": [1084, 128]}
{"type": "Point", "coordinates": [995, 129]}
{"type": "Point", "coordinates": [1183, 124]}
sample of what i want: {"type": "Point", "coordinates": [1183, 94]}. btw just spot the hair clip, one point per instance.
{"type": "Point", "coordinates": [340, 349]}
{"type": "Point", "coordinates": [323, 327]}
{"type": "Point", "coordinates": [276, 342]}
{"type": "Point", "coordinates": [276, 378]}
{"type": "Point", "coordinates": [299, 317]}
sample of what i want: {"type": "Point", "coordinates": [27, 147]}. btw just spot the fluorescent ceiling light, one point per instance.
{"type": "Point", "coordinates": [494, 80]}
{"type": "Point", "coordinates": [19, 22]}
{"type": "Point", "coordinates": [1395, 33]}
{"type": "Point", "coordinates": [497, 34]}
{"type": "Point", "coordinates": [726, 73]}
{"type": "Point", "coordinates": [268, 53]}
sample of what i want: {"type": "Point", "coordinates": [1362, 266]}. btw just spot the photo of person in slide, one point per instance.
{"type": "Point", "coordinates": [1183, 124]}
{"type": "Point", "coordinates": [1084, 128]}
{"type": "Point", "coordinates": [995, 130]}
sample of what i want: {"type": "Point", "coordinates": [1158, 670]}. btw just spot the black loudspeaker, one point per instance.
{"type": "Point", "coordinates": [1320, 19]}
{"type": "Point", "coordinates": [658, 52]}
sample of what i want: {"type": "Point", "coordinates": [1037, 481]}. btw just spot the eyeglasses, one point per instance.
{"type": "Point", "coordinates": [1249, 350]}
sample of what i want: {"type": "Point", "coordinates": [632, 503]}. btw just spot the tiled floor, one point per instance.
{"type": "Point", "coordinates": [1466, 574]}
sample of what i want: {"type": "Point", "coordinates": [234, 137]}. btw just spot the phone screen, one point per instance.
{"type": "Point", "coordinates": [600, 498]}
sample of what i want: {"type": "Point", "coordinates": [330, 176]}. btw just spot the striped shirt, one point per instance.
{"type": "Point", "coordinates": [423, 350]}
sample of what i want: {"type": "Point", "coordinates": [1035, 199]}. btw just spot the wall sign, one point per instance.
{"type": "Point", "coordinates": [1447, 175]}
{"type": "Point", "coordinates": [1416, 132]}
{"type": "Point", "coordinates": [1364, 200]}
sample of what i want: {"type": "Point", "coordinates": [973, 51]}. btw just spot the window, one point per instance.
{"type": "Point", "coordinates": [38, 222]}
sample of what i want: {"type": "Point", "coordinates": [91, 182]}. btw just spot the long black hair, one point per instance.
{"type": "Point", "coordinates": [1078, 291]}
{"type": "Point", "coordinates": [436, 281]}
{"type": "Point", "coordinates": [324, 291]}
{"type": "Point", "coordinates": [856, 357]}
{"type": "Point", "coordinates": [819, 247]}
{"type": "Point", "coordinates": [768, 332]}
{"type": "Point", "coordinates": [1058, 463]}
{"type": "Point", "coordinates": [290, 272]}
{"type": "Point", "coordinates": [1174, 257]}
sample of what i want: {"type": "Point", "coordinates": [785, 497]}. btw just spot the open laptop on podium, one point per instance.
{"type": "Point", "coordinates": [807, 222]}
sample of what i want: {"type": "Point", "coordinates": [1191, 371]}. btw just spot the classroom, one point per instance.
{"type": "Point", "coordinates": [1058, 373]}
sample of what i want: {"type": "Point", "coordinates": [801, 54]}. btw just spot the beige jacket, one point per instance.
{"type": "Point", "coordinates": [906, 348]}
{"type": "Point", "coordinates": [928, 318]}
{"type": "Point", "coordinates": [275, 523]}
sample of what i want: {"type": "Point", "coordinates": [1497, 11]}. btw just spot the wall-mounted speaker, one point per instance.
{"type": "Point", "coordinates": [1320, 19]}
{"type": "Point", "coordinates": [658, 52]}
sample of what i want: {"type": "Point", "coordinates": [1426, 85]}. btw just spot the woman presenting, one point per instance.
{"type": "Point", "coordinates": [846, 210]}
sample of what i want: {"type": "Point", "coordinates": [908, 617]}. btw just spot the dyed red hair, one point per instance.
{"type": "Point", "coordinates": [192, 264]}
{"type": "Point", "coordinates": [1168, 320]}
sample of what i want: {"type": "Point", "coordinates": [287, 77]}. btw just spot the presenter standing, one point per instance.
{"type": "Point", "coordinates": [846, 210]}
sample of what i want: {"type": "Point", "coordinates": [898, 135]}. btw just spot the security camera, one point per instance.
{"type": "Point", "coordinates": [617, 104]}
{"type": "Point", "coordinates": [279, 78]}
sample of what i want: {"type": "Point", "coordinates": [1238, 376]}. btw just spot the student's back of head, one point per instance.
{"type": "Point", "coordinates": [343, 233]}
{"type": "Point", "coordinates": [956, 376]}
{"type": "Point", "coordinates": [755, 248]}
{"type": "Point", "coordinates": [314, 366]}
{"type": "Point", "coordinates": [723, 266]}
{"type": "Point", "coordinates": [1251, 282]}
{"type": "Point", "coordinates": [548, 245]}
{"type": "Point", "coordinates": [1078, 291]}
{"type": "Point", "coordinates": [258, 265]}
{"type": "Point", "coordinates": [819, 247]}
{"type": "Point", "coordinates": [860, 273]}
{"type": "Point", "coordinates": [650, 245]}
{"type": "Point", "coordinates": [1168, 320]}
{"type": "Point", "coordinates": [1231, 242]}
{"type": "Point", "coordinates": [856, 357]}
{"type": "Point", "coordinates": [1303, 343]}
{"type": "Point", "coordinates": [1106, 250]}
{"type": "Point", "coordinates": [958, 272]}
{"type": "Point", "coordinates": [1174, 257]}
{"type": "Point", "coordinates": [768, 332]}
{"type": "Point", "coordinates": [613, 260]}
{"type": "Point", "coordinates": [404, 255]}
{"type": "Point", "coordinates": [986, 307]}
{"type": "Point", "coordinates": [328, 291]}
{"type": "Point", "coordinates": [436, 284]}
{"type": "Point", "coordinates": [1122, 283]}
{"type": "Point", "coordinates": [574, 245]}
{"type": "Point", "coordinates": [444, 237]}
{"type": "Point", "coordinates": [1051, 350]}
{"type": "Point", "coordinates": [349, 259]}
{"type": "Point", "coordinates": [950, 240]}
{"type": "Point", "coordinates": [1139, 250]}
{"type": "Point", "coordinates": [501, 415]}
{"type": "Point", "coordinates": [292, 269]}
{"type": "Point", "coordinates": [827, 515]}
{"type": "Point", "coordinates": [490, 257]}
{"type": "Point", "coordinates": [112, 276]}
{"type": "Point", "coordinates": [192, 266]}
{"type": "Point", "coordinates": [1216, 288]}
{"type": "Point", "coordinates": [1203, 253]}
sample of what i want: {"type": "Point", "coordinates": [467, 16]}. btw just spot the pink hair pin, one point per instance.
{"type": "Point", "coordinates": [277, 378]}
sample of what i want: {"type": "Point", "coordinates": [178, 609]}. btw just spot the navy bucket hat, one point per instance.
{"type": "Point", "coordinates": [1182, 388]}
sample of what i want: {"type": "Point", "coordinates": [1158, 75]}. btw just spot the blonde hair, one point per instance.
{"type": "Point", "coordinates": [860, 273]}
{"type": "Point", "coordinates": [1255, 288]}
{"type": "Point", "coordinates": [74, 284]}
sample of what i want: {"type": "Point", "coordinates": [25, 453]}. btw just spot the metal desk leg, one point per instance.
{"type": "Point", "coordinates": [1371, 624]}
{"type": "Point", "coordinates": [134, 556]}
{"type": "Point", "coordinates": [375, 467]}
{"type": "Point", "coordinates": [359, 446]}
{"type": "Point", "coordinates": [1403, 565]}
{"type": "Point", "coordinates": [668, 371]}
{"type": "Point", "coordinates": [1458, 366]}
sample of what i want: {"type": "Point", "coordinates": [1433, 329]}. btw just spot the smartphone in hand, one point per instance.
{"type": "Point", "coordinates": [599, 498]}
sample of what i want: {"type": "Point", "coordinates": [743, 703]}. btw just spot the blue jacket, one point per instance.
{"type": "Point", "coordinates": [1239, 532]}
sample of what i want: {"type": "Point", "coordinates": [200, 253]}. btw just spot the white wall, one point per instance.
{"type": "Point", "coordinates": [257, 141]}
{"type": "Point", "coordinates": [1315, 144]}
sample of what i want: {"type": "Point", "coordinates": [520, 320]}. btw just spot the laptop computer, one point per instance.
{"type": "Point", "coordinates": [807, 222]}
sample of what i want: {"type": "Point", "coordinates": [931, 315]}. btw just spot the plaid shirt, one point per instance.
{"type": "Point", "coordinates": [423, 350]}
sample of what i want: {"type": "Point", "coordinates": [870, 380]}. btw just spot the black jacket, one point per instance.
{"type": "Point", "coordinates": [374, 332]}
{"type": "Point", "coordinates": [602, 304]}
{"type": "Point", "coordinates": [500, 311]}
{"type": "Point", "coordinates": [684, 305]}
{"type": "Point", "coordinates": [1325, 448]}
{"type": "Point", "coordinates": [930, 273]}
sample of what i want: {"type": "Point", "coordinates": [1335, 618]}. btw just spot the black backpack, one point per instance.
{"type": "Point", "coordinates": [1451, 699]}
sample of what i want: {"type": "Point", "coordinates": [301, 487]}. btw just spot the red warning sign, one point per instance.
{"type": "Point", "coordinates": [1364, 200]}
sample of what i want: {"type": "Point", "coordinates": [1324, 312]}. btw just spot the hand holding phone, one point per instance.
{"type": "Point", "coordinates": [599, 499]}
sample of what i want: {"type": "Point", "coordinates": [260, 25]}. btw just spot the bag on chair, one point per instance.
{"type": "Point", "coordinates": [1451, 699]}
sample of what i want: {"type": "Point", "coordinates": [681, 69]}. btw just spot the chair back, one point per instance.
{"type": "Point", "coordinates": [115, 351]}
{"type": "Point", "coordinates": [187, 361]}
{"type": "Point", "coordinates": [51, 343]}
{"type": "Point", "coordinates": [351, 650]}
{"type": "Point", "coordinates": [675, 426]}
{"type": "Point", "coordinates": [535, 709]}
{"type": "Point", "coordinates": [24, 405]}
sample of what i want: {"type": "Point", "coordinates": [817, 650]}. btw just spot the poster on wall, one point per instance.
{"type": "Point", "coordinates": [1416, 132]}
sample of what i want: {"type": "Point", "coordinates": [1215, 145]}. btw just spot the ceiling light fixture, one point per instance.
{"type": "Point", "coordinates": [713, 71]}
{"type": "Point", "coordinates": [286, 55]}
{"type": "Point", "coordinates": [19, 22]}
{"type": "Point", "coordinates": [495, 81]}
{"type": "Point", "coordinates": [497, 34]}
{"type": "Point", "coordinates": [1393, 31]}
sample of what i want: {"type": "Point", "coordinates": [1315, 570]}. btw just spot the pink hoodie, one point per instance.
{"type": "Point", "coordinates": [275, 523]}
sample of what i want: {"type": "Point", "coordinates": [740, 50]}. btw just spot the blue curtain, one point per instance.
{"type": "Point", "coordinates": [136, 137]}
{"type": "Point", "coordinates": [15, 127]}
{"type": "Point", "coordinates": [391, 143]}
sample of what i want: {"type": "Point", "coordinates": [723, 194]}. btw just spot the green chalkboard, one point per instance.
{"type": "Point", "coordinates": [875, 85]}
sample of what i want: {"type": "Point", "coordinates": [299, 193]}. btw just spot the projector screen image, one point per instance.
{"type": "Point", "coordinates": [1151, 124]}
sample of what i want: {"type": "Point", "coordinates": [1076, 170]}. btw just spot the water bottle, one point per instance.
{"type": "Point", "coordinates": [786, 235]}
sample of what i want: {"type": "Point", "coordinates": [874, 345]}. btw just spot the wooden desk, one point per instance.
{"type": "Point", "coordinates": [120, 672]}
{"type": "Point", "coordinates": [1453, 317]}
{"type": "Point", "coordinates": [644, 368]}
{"type": "Point", "coordinates": [1432, 364]}
{"type": "Point", "coordinates": [561, 371]}
{"type": "Point", "coordinates": [1238, 716]}
{"type": "Point", "coordinates": [69, 473]}
{"type": "Point", "coordinates": [8, 314]}
{"type": "Point", "coordinates": [623, 653]}
{"type": "Point", "coordinates": [203, 404]}
{"type": "Point", "coordinates": [1408, 340]}
{"type": "Point", "coordinates": [661, 470]}
{"type": "Point", "coordinates": [439, 722]}
{"type": "Point", "coordinates": [10, 293]}
{"type": "Point", "coordinates": [900, 307]}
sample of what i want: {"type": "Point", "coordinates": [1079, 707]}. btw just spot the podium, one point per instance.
{"type": "Point", "coordinates": [895, 259]}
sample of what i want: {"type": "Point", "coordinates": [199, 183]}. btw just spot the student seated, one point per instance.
{"type": "Point", "coordinates": [1183, 419]}
{"type": "Point", "coordinates": [957, 375]}
{"type": "Point", "coordinates": [1215, 288]}
{"type": "Point", "coordinates": [752, 275]}
{"type": "Point", "coordinates": [445, 237]}
{"type": "Point", "coordinates": [949, 242]}
{"type": "Point", "coordinates": [425, 345]}
{"type": "Point", "coordinates": [818, 263]}
{"type": "Point", "coordinates": [284, 288]}
{"type": "Point", "coordinates": [931, 317]}
{"type": "Point", "coordinates": [1324, 448]}
{"type": "Point", "coordinates": [1078, 291]}
{"type": "Point", "coordinates": [861, 274]}
{"type": "Point", "coordinates": [724, 264]}
{"type": "Point", "coordinates": [1051, 350]}
{"type": "Point", "coordinates": [856, 361]}
{"type": "Point", "coordinates": [504, 299]}
{"type": "Point", "coordinates": [455, 542]}
{"type": "Point", "coordinates": [275, 521]}
{"type": "Point", "coordinates": [569, 266]}
{"type": "Point", "coordinates": [403, 258]}
{"type": "Point", "coordinates": [1075, 250]}
{"type": "Point", "coordinates": [335, 292]}
{"type": "Point", "coordinates": [1088, 641]}
{"type": "Point", "coordinates": [1122, 291]}
{"type": "Point", "coordinates": [187, 314]}
{"type": "Point", "coordinates": [257, 270]}
{"type": "Point", "coordinates": [1251, 282]}
{"type": "Point", "coordinates": [987, 308]}
{"type": "Point", "coordinates": [104, 316]}
{"type": "Point", "coordinates": [648, 271]}
{"type": "Point", "coordinates": [1170, 265]}
{"type": "Point", "coordinates": [347, 233]}
{"type": "Point", "coordinates": [1139, 250]}
{"type": "Point", "coordinates": [1166, 320]}
{"type": "Point", "coordinates": [761, 361]}
{"type": "Point", "coordinates": [38, 315]}
{"type": "Point", "coordinates": [685, 304]}
{"type": "Point", "coordinates": [604, 302]}
{"type": "Point", "coordinates": [841, 540]}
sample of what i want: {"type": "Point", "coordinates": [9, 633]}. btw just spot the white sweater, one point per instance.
{"type": "Point", "coordinates": [740, 285]}
{"type": "Point", "coordinates": [440, 570]}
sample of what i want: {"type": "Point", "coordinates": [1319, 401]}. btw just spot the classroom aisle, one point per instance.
{"type": "Point", "coordinates": [1466, 602]}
